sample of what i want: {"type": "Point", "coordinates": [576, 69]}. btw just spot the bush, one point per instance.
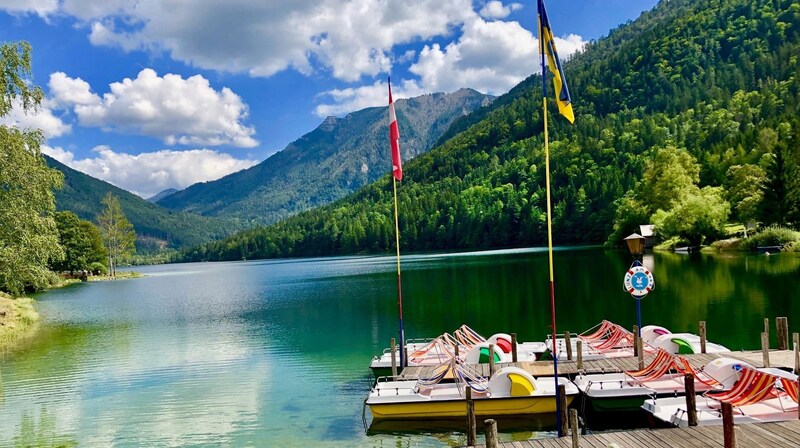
{"type": "Point", "coordinates": [97, 268]}
{"type": "Point", "coordinates": [772, 236]}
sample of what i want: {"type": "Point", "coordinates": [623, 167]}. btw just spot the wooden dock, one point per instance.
{"type": "Point", "coordinates": [783, 359]}
{"type": "Point", "coordinates": [754, 435]}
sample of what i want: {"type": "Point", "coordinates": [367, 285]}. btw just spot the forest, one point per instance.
{"type": "Point", "coordinates": [692, 108]}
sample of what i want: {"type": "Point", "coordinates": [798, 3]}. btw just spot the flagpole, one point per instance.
{"type": "Point", "coordinates": [549, 221]}
{"type": "Point", "coordinates": [399, 283]}
{"type": "Point", "coordinates": [397, 173]}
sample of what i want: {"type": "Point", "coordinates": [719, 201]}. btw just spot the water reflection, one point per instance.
{"type": "Point", "coordinates": [276, 352]}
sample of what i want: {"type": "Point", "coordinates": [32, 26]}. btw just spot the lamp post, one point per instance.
{"type": "Point", "coordinates": [638, 280]}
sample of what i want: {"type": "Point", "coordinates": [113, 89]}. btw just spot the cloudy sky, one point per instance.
{"type": "Point", "coordinates": [156, 94]}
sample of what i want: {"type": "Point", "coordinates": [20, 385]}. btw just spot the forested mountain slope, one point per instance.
{"type": "Point", "coordinates": [155, 226]}
{"type": "Point", "coordinates": [334, 160]}
{"type": "Point", "coordinates": [716, 78]}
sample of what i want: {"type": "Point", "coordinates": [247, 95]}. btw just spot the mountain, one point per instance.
{"type": "Point", "coordinates": [156, 227]}
{"type": "Point", "coordinates": [157, 197]}
{"type": "Point", "coordinates": [717, 79]}
{"type": "Point", "coordinates": [332, 161]}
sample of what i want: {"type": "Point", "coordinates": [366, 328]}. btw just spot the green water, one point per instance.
{"type": "Point", "coordinates": [275, 353]}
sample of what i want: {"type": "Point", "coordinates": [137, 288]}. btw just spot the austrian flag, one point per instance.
{"type": "Point", "coordinates": [394, 138]}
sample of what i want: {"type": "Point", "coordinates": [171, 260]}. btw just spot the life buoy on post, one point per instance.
{"type": "Point", "coordinates": [638, 281]}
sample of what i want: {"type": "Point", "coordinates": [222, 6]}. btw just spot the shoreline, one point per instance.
{"type": "Point", "coordinates": [18, 322]}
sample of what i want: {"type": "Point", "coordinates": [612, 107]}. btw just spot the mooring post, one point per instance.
{"type": "Point", "coordinates": [729, 437]}
{"type": "Point", "coordinates": [576, 431]}
{"type": "Point", "coordinates": [640, 354]}
{"type": "Point", "coordinates": [702, 336]}
{"type": "Point", "coordinates": [394, 358]}
{"type": "Point", "coordinates": [456, 348]}
{"type": "Point", "coordinates": [579, 346]}
{"type": "Point", "coordinates": [636, 340]}
{"type": "Point", "coordinates": [782, 325]}
{"type": "Point", "coordinates": [405, 358]}
{"type": "Point", "coordinates": [491, 433]}
{"type": "Point", "coordinates": [513, 347]}
{"type": "Point", "coordinates": [562, 400]}
{"type": "Point", "coordinates": [796, 342]}
{"type": "Point", "coordinates": [691, 405]}
{"type": "Point", "coordinates": [471, 434]}
{"type": "Point", "coordinates": [765, 348]}
{"type": "Point", "coordinates": [568, 343]}
{"type": "Point", "coordinates": [491, 360]}
{"type": "Point", "coordinates": [766, 325]}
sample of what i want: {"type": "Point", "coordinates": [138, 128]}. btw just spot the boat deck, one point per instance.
{"type": "Point", "coordinates": [783, 359]}
{"type": "Point", "coordinates": [755, 435]}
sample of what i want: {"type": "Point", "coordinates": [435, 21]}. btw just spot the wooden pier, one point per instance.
{"type": "Point", "coordinates": [782, 359]}
{"type": "Point", "coordinates": [753, 435]}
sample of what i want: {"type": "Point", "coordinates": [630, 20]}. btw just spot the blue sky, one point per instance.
{"type": "Point", "coordinates": [154, 94]}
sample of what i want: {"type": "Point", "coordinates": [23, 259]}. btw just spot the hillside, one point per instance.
{"type": "Point", "coordinates": [155, 227]}
{"type": "Point", "coordinates": [334, 160]}
{"type": "Point", "coordinates": [717, 79]}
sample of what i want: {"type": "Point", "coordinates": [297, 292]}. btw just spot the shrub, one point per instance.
{"type": "Point", "coordinates": [772, 236]}
{"type": "Point", "coordinates": [97, 268]}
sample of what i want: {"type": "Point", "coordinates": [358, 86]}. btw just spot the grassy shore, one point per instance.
{"type": "Point", "coordinates": [18, 319]}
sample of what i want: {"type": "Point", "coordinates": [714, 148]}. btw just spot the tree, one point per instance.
{"type": "Point", "coordinates": [82, 243]}
{"type": "Point", "coordinates": [28, 233]}
{"type": "Point", "coordinates": [744, 191]}
{"type": "Point", "coordinates": [699, 215]}
{"type": "Point", "coordinates": [118, 234]}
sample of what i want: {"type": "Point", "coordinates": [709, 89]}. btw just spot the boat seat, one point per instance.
{"type": "Point", "coordinates": [520, 386]}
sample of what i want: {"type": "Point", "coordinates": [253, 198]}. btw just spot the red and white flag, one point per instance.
{"type": "Point", "coordinates": [394, 138]}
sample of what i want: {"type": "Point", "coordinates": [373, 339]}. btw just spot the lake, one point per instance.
{"type": "Point", "coordinates": [275, 353]}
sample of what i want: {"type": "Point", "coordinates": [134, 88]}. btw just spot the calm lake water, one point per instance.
{"type": "Point", "coordinates": [275, 353]}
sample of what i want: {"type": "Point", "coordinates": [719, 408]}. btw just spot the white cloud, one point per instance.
{"type": "Point", "coordinates": [491, 57]}
{"type": "Point", "coordinates": [497, 10]}
{"type": "Point", "coordinates": [39, 7]}
{"type": "Point", "coordinates": [357, 98]}
{"type": "Point", "coordinates": [42, 118]}
{"type": "Point", "coordinates": [149, 173]}
{"type": "Point", "coordinates": [261, 38]}
{"type": "Point", "coordinates": [179, 111]}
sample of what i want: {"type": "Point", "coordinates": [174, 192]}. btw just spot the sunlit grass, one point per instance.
{"type": "Point", "coordinates": [18, 317]}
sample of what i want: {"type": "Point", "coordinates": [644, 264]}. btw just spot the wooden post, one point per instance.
{"type": "Point", "coordinates": [405, 358]}
{"type": "Point", "coordinates": [691, 405]}
{"type": "Point", "coordinates": [576, 431]}
{"type": "Point", "coordinates": [562, 400]}
{"type": "Point", "coordinates": [471, 434]}
{"type": "Point", "coordinates": [765, 348]}
{"type": "Point", "coordinates": [782, 325]}
{"type": "Point", "coordinates": [568, 343]}
{"type": "Point", "coordinates": [394, 358]}
{"type": "Point", "coordinates": [491, 433]}
{"type": "Point", "coordinates": [635, 340]}
{"type": "Point", "coordinates": [491, 360]}
{"type": "Point", "coordinates": [579, 346]}
{"type": "Point", "coordinates": [728, 435]}
{"type": "Point", "coordinates": [766, 325]}
{"type": "Point", "coordinates": [513, 347]}
{"type": "Point", "coordinates": [640, 354]}
{"type": "Point", "coordinates": [456, 349]}
{"type": "Point", "coordinates": [702, 336]}
{"type": "Point", "coordinates": [796, 342]}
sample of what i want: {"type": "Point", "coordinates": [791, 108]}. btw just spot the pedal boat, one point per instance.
{"type": "Point", "coordinates": [759, 396]}
{"type": "Point", "coordinates": [511, 391]}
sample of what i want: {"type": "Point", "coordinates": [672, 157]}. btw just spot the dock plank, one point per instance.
{"type": "Point", "coordinates": [753, 435]}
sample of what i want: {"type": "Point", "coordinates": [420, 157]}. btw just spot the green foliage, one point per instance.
{"type": "Point", "coordinates": [744, 190]}
{"type": "Point", "coordinates": [118, 234]}
{"type": "Point", "coordinates": [81, 241]}
{"type": "Point", "coordinates": [772, 236]}
{"type": "Point", "coordinates": [98, 269]}
{"type": "Point", "coordinates": [690, 87]}
{"type": "Point", "coordinates": [28, 234]}
{"type": "Point", "coordinates": [699, 215]}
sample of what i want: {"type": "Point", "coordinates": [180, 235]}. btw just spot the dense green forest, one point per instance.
{"type": "Point", "coordinates": [156, 227]}
{"type": "Point", "coordinates": [711, 84]}
{"type": "Point", "coordinates": [337, 158]}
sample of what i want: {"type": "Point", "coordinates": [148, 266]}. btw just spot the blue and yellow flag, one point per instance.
{"type": "Point", "coordinates": [547, 46]}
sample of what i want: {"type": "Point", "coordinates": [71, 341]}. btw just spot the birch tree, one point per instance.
{"type": "Point", "coordinates": [118, 234]}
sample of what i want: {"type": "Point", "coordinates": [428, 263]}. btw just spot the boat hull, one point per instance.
{"type": "Point", "coordinates": [484, 407]}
